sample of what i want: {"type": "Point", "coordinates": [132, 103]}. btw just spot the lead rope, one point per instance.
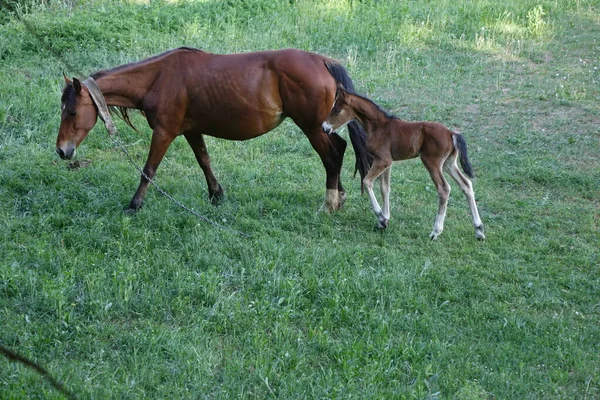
{"type": "Point", "coordinates": [114, 136]}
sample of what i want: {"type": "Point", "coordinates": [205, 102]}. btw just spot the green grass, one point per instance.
{"type": "Point", "coordinates": [311, 305]}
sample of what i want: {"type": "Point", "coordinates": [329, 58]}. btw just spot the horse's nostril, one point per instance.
{"type": "Point", "coordinates": [65, 155]}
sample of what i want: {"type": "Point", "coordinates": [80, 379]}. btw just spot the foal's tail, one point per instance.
{"type": "Point", "coordinates": [358, 136]}
{"type": "Point", "coordinates": [461, 146]}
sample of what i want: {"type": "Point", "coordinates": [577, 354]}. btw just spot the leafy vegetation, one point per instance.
{"type": "Point", "coordinates": [311, 305]}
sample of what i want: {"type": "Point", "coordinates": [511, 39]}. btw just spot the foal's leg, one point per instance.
{"type": "Point", "coordinates": [384, 182]}
{"type": "Point", "coordinates": [467, 188]}
{"type": "Point", "coordinates": [378, 167]}
{"type": "Point", "coordinates": [196, 142]}
{"type": "Point", "coordinates": [161, 139]}
{"type": "Point", "coordinates": [434, 166]}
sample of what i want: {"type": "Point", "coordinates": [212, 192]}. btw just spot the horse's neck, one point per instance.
{"type": "Point", "coordinates": [367, 113]}
{"type": "Point", "coordinates": [125, 87]}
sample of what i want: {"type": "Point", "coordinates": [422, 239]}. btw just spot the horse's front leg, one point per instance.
{"type": "Point", "coordinates": [378, 167]}
{"type": "Point", "coordinates": [161, 139]}
{"type": "Point", "coordinates": [196, 142]}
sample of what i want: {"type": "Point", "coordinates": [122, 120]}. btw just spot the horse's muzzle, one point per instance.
{"type": "Point", "coordinates": [66, 154]}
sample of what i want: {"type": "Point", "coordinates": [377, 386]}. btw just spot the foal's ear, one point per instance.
{"type": "Point", "coordinates": [341, 90]}
{"type": "Point", "coordinates": [77, 85]}
{"type": "Point", "coordinates": [67, 80]}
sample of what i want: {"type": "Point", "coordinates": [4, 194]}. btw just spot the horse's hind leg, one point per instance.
{"type": "Point", "coordinates": [467, 188]}
{"type": "Point", "coordinates": [434, 166]}
{"type": "Point", "coordinates": [196, 142]}
{"type": "Point", "coordinates": [161, 140]}
{"type": "Point", "coordinates": [331, 150]}
{"type": "Point", "coordinates": [340, 146]}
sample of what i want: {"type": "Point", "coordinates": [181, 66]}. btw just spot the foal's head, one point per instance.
{"type": "Point", "coordinates": [78, 116]}
{"type": "Point", "coordinates": [340, 114]}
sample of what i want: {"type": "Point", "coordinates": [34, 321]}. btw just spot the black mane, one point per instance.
{"type": "Point", "coordinates": [69, 98]}
{"type": "Point", "coordinates": [101, 73]}
{"type": "Point", "coordinates": [384, 112]}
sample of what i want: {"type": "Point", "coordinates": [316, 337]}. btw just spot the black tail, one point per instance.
{"type": "Point", "coordinates": [358, 136]}
{"type": "Point", "coordinates": [461, 146]}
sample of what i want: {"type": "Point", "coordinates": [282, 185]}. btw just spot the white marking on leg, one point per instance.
{"type": "Point", "coordinates": [443, 194]}
{"type": "Point", "coordinates": [376, 169]}
{"type": "Point", "coordinates": [385, 191]}
{"type": "Point", "coordinates": [467, 187]}
{"type": "Point", "coordinates": [332, 201]}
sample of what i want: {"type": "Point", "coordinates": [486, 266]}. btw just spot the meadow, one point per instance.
{"type": "Point", "coordinates": [312, 305]}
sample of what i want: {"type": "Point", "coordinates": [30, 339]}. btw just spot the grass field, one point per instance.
{"type": "Point", "coordinates": [310, 305]}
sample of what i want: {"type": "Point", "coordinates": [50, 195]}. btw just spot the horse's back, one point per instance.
{"type": "Point", "coordinates": [254, 92]}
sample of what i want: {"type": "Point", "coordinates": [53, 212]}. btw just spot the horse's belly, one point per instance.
{"type": "Point", "coordinates": [242, 127]}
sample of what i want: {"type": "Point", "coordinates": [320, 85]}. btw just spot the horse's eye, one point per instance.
{"type": "Point", "coordinates": [72, 113]}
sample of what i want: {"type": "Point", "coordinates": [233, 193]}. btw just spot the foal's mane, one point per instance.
{"type": "Point", "coordinates": [377, 106]}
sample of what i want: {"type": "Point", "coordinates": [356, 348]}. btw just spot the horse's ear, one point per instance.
{"type": "Point", "coordinates": [67, 80]}
{"type": "Point", "coordinates": [77, 85]}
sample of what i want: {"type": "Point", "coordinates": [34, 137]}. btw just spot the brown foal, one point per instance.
{"type": "Point", "coordinates": [392, 139]}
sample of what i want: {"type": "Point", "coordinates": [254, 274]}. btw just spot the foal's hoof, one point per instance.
{"type": "Point", "coordinates": [383, 223]}
{"type": "Point", "coordinates": [479, 233]}
{"type": "Point", "coordinates": [434, 235]}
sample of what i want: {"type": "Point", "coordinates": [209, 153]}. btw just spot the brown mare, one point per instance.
{"type": "Point", "coordinates": [236, 97]}
{"type": "Point", "coordinates": [391, 139]}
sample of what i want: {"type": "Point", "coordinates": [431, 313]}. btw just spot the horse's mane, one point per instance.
{"type": "Point", "coordinates": [123, 112]}
{"type": "Point", "coordinates": [69, 97]}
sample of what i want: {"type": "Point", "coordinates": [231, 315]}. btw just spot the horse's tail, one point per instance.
{"type": "Point", "coordinates": [461, 146]}
{"type": "Point", "coordinates": [358, 136]}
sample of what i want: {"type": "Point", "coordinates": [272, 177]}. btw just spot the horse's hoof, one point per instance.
{"type": "Point", "coordinates": [479, 233]}
{"type": "Point", "coordinates": [325, 208]}
{"type": "Point", "coordinates": [383, 223]}
{"type": "Point", "coordinates": [132, 210]}
{"type": "Point", "coordinates": [332, 201]}
{"type": "Point", "coordinates": [217, 196]}
{"type": "Point", "coordinates": [434, 235]}
{"type": "Point", "coordinates": [342, 198]}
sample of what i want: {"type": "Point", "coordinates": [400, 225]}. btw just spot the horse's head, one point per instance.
{"type": "Point", "coordinates": [339, 114]}
{"type": "Point", "coordinates": [78, 116]}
